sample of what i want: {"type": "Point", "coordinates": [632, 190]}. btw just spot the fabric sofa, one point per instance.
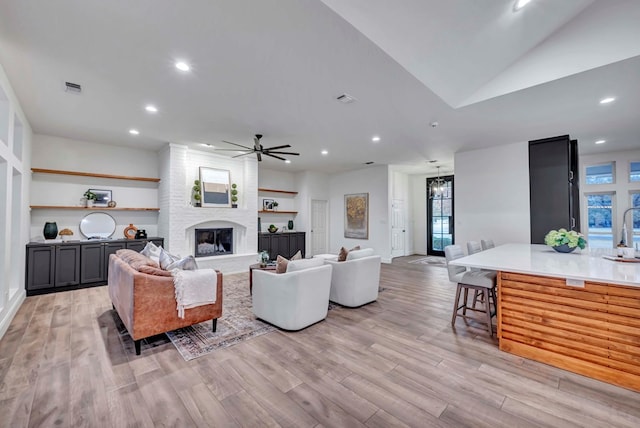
{"type": "Point", "coordinates": [295, 299]}
{"type": "Point", "coordinates": [355, 281]}
{"type": "Point", "coordinates": [146, 302]}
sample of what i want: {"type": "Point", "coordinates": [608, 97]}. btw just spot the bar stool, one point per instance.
{"type": "Point", "coordinates": [472, 248]}
{"type": "Point", "coordinates": [480, 280]}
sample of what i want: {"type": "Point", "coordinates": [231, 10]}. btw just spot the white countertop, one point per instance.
{"type": "Point", "coordinates": [586, 264]}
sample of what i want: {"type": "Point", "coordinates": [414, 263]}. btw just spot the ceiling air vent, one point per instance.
{"type": "Point", "coordinates": [72, 87]}
{"type": "Point", "coordinates": [345, 99]}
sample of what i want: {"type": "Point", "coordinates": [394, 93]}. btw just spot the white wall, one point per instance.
{"type": "Point", "coordinates": [15, 183]}
{"type": "Point", "coordinates": [491, 195]}
{"type": "Point", "coordinates": [621, 187]}
{"type": "Point", "coordinates": [84, 156]}
{"type": "Point", "coordinates": [279, 180]}
{"type": "Point", "coordinates": [375, 181]}
{"type": "Point", "coordinates": [311, 186]}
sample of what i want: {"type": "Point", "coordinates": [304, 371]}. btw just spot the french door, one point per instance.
{"type": "Point", "coordinates": [439, 215]}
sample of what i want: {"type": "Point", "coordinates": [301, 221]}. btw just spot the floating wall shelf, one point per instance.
{"type": "Point", "coordinates": [90, 174]}
{"type": "Point", "coordinates": [54, 207]}
{"type": "Point", "coordinates": [277, 212]}
{"type": "Point", "coordinates": [286, 192]}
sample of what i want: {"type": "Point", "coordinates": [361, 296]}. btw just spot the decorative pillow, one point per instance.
{"type": "Point", "coordinates": [152, 251]}
{"type": "Point", "coordinates": [186, 263]}
{"type": "Point", "coordinates": [358, 254]}
{"type": "Point", "coordinates": [342, 256]}
{"type": "Point", "coordinates": [131, 257]}
{"type": "Point", "coordinates": [167, 258]}
{"type": "Point", "coordinates": [282, 262]}
{"type": "Point", "coordinates": [151, 270]}
{"type": "Point", "coordinates": [296, 265]}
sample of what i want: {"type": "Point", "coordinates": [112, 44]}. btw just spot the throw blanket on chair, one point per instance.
{"type": "Point", "coordinates": [194, 288]}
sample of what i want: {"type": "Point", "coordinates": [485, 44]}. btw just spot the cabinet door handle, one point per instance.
{"type": "Point", "coordinates": [573, 222]}
{"type": "Point", "coordinates": [570, 175]}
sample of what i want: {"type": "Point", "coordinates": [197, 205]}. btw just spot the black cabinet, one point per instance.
{"type": "Point", "coordinates": [283, 244]}
{"type": "Point", "coordinates": [71, 265]}
{"type": "Point", "coordinates": [553, 186]}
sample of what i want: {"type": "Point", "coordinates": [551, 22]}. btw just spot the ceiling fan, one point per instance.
{"type": "Point", "coordinates": [259, 150]}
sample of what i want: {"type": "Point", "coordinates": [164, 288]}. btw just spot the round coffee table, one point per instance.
{"type": "Point", "coordinates": [257, 266]}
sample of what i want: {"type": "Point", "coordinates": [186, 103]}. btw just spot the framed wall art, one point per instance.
{"type": "Point", "coordinates": [103, 197]}
{"type": "Point", "coordinates": [356, 216]}
{"type": "Point", "coordinates": [267, 204]}
{"type": "Point", "coordinates": [215, 188]}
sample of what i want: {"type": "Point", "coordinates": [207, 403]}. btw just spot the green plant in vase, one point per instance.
{"type": "Point", "coordinates": [90, 197]}
{"type": "Point", "coordinates": [275, 205]}
{"type": "Point", "coordinates": [234, 195]}
{"type": "Point", "coordinates": [197, 194]}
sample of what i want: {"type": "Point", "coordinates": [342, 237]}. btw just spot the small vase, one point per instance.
{"type": "Point", "coordinates": [50, 230]}
{"type": "Point", "coordinates": [290, 225]}
{"type": "Point", "coordinates": [90, 203]}
{"type": "Point", "coordinates": [564, 248]}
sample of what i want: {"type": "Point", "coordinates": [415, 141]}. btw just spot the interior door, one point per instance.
{"type": "Point", "coordinates": [398, 228]}
{"type": "Point", "coordinates": [319, 227]}
{"type": "Point", "coordinates": [440, 217]}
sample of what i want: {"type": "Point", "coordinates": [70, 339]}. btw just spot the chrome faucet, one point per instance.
{"type": "Point", "coordinates": [624, 240]}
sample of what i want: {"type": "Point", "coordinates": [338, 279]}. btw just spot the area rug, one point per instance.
{"type": "Point", "coordinates": [236, 324]}
{"type": "Point", "coordinates": [431, 260]}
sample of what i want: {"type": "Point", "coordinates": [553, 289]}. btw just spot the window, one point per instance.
{"type": "Point", "coordinates": [601, 174]}
{"type": "Point", "coordinates": [599, 212]}
{"type": "Point", "coordinates": [634, 171]}
{"type": "Point", "coordinates": [635, 202]}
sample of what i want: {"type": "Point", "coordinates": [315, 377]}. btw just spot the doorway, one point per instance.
{"type": "Point", "coordinates": [319, 227]}
{"type": "Point", "coordinates": [398, 228]}
{"type": "Point", "coordinates": [440, 229]}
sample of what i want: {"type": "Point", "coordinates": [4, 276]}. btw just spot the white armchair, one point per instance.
{"type": "Point", "coordinates": [295, 299]}
{"type": "Point", "coordinates": [355, 282]}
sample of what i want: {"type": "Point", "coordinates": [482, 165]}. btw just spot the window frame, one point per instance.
{"type": "Point", "coordinates": [613, 173]}
{"type": "Point", "coordinates": [629, 172]}
{"type": "Point", "coordinates": [614, 216]}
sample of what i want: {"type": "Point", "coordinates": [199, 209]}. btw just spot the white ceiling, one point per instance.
{"type": "Point", "coordinates": [486, 74]}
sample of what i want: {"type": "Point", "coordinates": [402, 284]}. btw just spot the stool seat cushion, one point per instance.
{"type": "Point", "coordinates": [481, 278]}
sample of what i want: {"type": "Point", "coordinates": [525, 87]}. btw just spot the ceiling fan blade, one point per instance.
{"type": "Point", "coordinates": [281, 153]}
{"type": "Point", "coordinates": [259, 156]}
{"type": "Point", "coordinates": [239, 145]}
{"type": "Point", "coordinates": [242, 154]}
{"type": "Point", "coordinates": [278, 147]}
{"type": "Point", "coordinates": [274, 156]}
{"type": "Point", "coordinates": [233, 150]}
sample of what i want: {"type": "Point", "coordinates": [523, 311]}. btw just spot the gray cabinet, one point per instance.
{"type": "Point", "coordinates": [283, 244]}
{"type": "Point", "coordinates": [71, 265]}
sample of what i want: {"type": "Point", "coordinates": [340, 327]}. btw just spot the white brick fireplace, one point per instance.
{"type": "Point", "coordinates": [178, 219]}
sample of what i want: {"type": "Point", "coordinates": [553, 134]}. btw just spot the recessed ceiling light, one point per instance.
{"type": "Point", "coordinates": [520, 4]}
{"type": "Point", "coordinates": [325, 152]}
{"type": "Point", "coordinates": [601, 141]}
{"type": "Point", "coordinates": [134, 132]}
{"type": "Point", "coordinates": [182, 66]}
{"type": "Point", "coordinates": [151, 108]}
{"type": "Point", "coordinates": [375, 139]}
{"type": "Point", "coordinates": [287, 161]}
{"type": "Point", "coordinates": [607, 100]}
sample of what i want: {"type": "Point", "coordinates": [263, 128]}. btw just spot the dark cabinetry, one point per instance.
{"type": "Point", "coordinates": [553, 186]}
{"type": "Point", "coordinates": [66, 266]}
{"type": "Point", "coordinates": [283, 244]}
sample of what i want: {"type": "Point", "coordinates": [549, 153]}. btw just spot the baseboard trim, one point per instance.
{"type": "Point", "coordinates": [11, 312]}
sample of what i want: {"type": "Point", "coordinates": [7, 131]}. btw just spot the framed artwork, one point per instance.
{"type": "Point", "coordinates": [215, 186]}
{"type": "Point", "coordinates": [267, 204]}
{"type": "Point", "coordinates": [356, 216]}
{"type": "Point", "coordinates": [103, 197]}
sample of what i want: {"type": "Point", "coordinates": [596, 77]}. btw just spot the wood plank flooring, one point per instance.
{"type": "Point", "coordinates": [393, 363]}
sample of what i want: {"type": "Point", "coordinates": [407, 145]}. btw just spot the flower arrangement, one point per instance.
{"type": "Point", "coordinates": [570, 238]}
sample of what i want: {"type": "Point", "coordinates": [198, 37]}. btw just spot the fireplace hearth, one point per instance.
{"type": "Point", "coordinates": [213, 242]}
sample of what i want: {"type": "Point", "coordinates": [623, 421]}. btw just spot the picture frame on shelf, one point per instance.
{"type": "Point", "coordinates": [215, 187]}
{"type": "Point", "coordinates": [103, 197]}
{"type": "Point", "coordinates": [267, 204]}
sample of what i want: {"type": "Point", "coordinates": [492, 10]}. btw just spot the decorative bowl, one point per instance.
{"type": "Point", "coordinates": [565, 248]}
{"type": "Point", "coordinates": [273, 229]}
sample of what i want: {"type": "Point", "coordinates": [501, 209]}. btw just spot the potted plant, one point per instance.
{"type": "Point", "coordinates": [234, 196]}
{"type": "Point", "coordinates": [565, 241]}
{"type": "Point", "coordinates": [275, 205]}
{"type": "Point", "coordinates": [90, 197]}
{"type": "Point", "coordinates": [197, 194]}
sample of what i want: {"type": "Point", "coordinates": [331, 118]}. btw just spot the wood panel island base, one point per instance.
{"type": "Point", "coordinates": [593, 331]}
{"type": "Point", "coordinates": [577, 311]}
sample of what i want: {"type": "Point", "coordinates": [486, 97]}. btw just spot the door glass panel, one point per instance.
{"type": "Point", "coordinates": [599, 209]}
{"type": "Point", "coordinates": [440, 212]}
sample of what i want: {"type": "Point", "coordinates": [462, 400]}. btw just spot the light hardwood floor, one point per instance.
{"type": "Point", "coordinates": [395, 362]}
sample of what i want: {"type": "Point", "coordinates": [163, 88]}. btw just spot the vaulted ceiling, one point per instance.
{"type": "Point", "coordinates": [486, 73]}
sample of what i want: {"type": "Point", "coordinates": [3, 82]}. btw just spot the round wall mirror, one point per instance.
{"type": "Point", "coordinates": [97, 225]}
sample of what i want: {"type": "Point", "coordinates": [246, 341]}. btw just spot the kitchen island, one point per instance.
{"type": "Point", "coordinates": [577, 311]}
